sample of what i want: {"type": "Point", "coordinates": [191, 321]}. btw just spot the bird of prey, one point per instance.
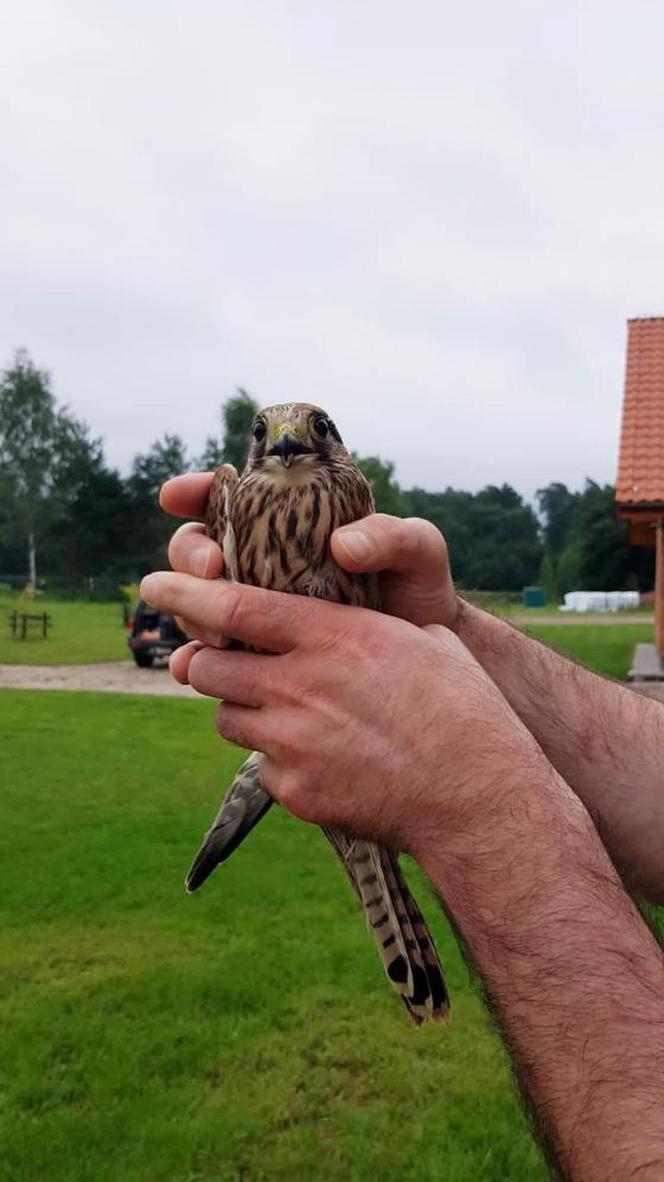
{"type": "Point", "coordinates": [274, 524]}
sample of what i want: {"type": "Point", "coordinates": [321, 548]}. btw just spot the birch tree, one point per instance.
{"type": "Point", "coordinates": [44, 454]}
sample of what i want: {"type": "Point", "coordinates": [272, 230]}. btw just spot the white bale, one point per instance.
{"type": "Point", "coordinates": [601, 601]}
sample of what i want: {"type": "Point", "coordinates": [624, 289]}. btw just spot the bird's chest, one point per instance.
{"type": "Point", "coordinates": [278, 538]}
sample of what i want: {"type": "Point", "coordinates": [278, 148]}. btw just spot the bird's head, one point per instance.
{"type": "Point", "coordinates": [294, 435]}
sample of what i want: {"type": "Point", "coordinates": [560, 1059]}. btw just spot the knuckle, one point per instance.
{"type": "Point", "coordinates": [227, 724]}
{"type": "Point", "coordinates": [182, 541]}
{"type": "Point", "coordinates": [421, 531]}
{"type": "Point", "coordinates": [184, 625]}
{"type": "Point", "coordinates": [178, 663]}
{"type": "Point", "coordinates": [426, 538]}
{"type": "Point", "coordinates": [173, 549]}
{"type": "Point", "coordinates": [231, 607]}
{"type": "Point", "coordinates": [390, 532]}
{"type": "Point", "coordinates": [287, 745]}
{"type": "Point", "coordinates": [376, 523]}
{"type": "Point", "coordinates": [293, 793]}
{"type": "Point", "coordinates": [198, 671]}
{"type": "Point", "coordinates": [405, 537]}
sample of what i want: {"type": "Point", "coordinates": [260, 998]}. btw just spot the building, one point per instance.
{"type": "Point", "coordinates": [640, 481]}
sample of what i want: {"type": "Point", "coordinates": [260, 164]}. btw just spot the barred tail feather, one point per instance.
{"type": "Point", "coordinates": [402, 937]}
{"type": "Point", "coordinates": [437, 1002]}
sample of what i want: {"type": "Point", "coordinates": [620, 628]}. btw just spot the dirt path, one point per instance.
{"type": "Point", "coordinates": [649, 689]}
{"type": "Point", "coordinates": [113, 677]}
{"type": "Point", "coordinates": [123, 677]}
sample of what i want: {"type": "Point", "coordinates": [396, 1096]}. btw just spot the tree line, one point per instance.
{"type": "Point", "coordinates": [73, 521]}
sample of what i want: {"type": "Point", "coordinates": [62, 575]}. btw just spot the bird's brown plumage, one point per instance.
{"type": "Point", "coordinates": [274, 524]}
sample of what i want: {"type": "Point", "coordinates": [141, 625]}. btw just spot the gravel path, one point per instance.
{"type": "Point", "coordinates": [650, 689]}
{"type": "Point", "coordinates": [113, 677]}
{"type": "Point", "coordinates": [124, 677]}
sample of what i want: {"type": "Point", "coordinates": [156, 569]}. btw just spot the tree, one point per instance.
{"type": "Point", "coordinates": [238, 414]}
{"type": "Point", "coordinates": [492, 536]}
{"type": "Point", "coordinates": [548, 576]}
{"type": "Point", "coordinates": [587, 547]}
{"type": "Point", "coordinates": [95, 540]}
{"type": "Point", "coordinates": [165, 458]}
{"type": "Point", "coordinates": [44, 454]}
{"type": "Point", "coordinates": [557, 506]}
{"type": "Point", "coordinates": [506, 550]}
{"type": "Point", "coordinates": [211, 456]}
{"type": "Point", "coordinates": [451, 512]}
{"type": "Point", "coordinates": [387, 494]}
{"type": "Point", "coordinates": [568, 568]}
{"type": "Point", "coordinates": [605, 558]}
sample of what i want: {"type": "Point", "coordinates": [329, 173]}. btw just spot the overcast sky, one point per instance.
{"type": "Point", "coordinates": [431, 218]}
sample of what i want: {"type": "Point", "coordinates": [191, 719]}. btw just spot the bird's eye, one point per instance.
{"type": "Point", "coordinates": [259, 432]}
{"type": "Point", "coordinates": [321, 428]}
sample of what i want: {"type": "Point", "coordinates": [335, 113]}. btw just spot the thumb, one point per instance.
{"type": "Point", "coordinates": [408, 545]}
{"type": "Point", "coordinates": [416, 584]}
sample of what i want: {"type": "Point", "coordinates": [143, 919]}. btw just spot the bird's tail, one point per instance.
{"type": "Point", "coordinates": [401, 934]}
{"type": "Point", "coordinates": [399, 929]}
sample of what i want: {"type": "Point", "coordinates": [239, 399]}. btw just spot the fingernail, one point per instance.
{"type": "Point", "coordinates": [356, 544]}
{"type": "Point", "coordinates": [200, 561]}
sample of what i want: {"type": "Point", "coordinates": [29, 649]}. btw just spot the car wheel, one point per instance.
{"type": "Point", "coordinates": [143, 660]}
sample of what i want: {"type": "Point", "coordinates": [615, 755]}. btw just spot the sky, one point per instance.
{"type": "Point", "coordinates": [432, 219]}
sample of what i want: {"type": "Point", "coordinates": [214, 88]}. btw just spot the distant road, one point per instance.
{"type": "Point", "coordinates": [111, 677]}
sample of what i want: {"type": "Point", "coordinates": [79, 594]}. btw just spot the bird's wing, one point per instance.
{"type": "Point", "coordinates": [217, 513]}
{"type": "Point", "coordinates": [242, 808]}
{"type": "Point", "coordinates": [402, 937]}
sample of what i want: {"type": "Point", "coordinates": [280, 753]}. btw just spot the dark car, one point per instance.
{"type": "Point", "coordinates": [152, 634]}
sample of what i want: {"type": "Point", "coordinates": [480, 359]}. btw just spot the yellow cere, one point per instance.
{"type": "Point", "coordinates": [289, 428]}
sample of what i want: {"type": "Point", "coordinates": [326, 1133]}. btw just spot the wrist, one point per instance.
{"type": "Point", "coordinates": [467, 620]}
{"type": "Point", "coordinates": [516, 835]}
{"type": "Point", "coordinates": [573, 977]}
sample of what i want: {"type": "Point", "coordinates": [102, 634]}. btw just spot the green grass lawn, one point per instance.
{"type": "Point", "coordinates": [605, 648]}
{"type": "Point", "coordinates": [81, 633]}
{"type": "Point", "coordinates": [87, 632]}
{"type": "Point", "coordinates": [243, 1033]}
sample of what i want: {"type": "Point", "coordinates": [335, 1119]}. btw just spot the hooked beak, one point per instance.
{"type": "Point", "coordinates": [287, 447]}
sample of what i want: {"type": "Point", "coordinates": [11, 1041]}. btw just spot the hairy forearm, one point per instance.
{"type": "Point", "coordinates": [572, 973]}
{"type": "Point", "coordinates": [606, 741]}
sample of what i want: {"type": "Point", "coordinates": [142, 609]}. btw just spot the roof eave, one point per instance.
{"type": "Point", "coordinates": [645, 506]}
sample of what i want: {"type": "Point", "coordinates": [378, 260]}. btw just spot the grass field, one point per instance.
{"type": "Point", "coordinates": [81, 633]}
{"type": "Point", "coordinates": [243, 1033]}
{"type": "Point", "coordinates": [606, 648]}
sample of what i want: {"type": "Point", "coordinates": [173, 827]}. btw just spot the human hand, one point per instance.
{"type": "Point", "coordinates": [367, 723]}
{"type": "Point", "coordinates": [190, 550]}
{"type": "Point", "coordinates": [409, 554]}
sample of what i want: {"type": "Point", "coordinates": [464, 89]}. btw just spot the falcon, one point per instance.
{"type": "Point", "coordinates": [274, 524]}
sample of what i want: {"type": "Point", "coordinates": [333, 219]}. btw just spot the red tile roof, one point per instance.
{"type": "Point", "coordinates": [641, 463]}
